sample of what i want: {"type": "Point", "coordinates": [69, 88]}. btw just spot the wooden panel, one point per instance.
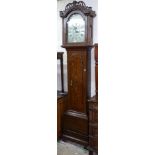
{"type": "Point", "coordinates": [60, 111]}
{"type": "Point", "coordinates": [93, 130]}
{"type": "Point", "coordinates": [93, 116]}
{"type": "Point", "coordinates": [93, 142]}
{"type": "Point", "coordinates": [59, 117]}
{"type": "Point", "coordinates": [80, 126]}
{"type": "Point", "coordinates": [76, 78]}
{"type": "Point", "coordinates": [93, 124]}
{"type": "Point", "coordinates": [61, 101]}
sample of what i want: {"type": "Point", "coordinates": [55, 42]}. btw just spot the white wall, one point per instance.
{"type": "Point", "coordinates": [60, 7]}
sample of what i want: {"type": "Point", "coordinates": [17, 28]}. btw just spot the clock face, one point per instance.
{"type": "Point", "coordinates": [76, 29]}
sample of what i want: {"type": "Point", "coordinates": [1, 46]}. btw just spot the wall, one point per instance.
{"type": "Point", "coordinates": [60, 7]}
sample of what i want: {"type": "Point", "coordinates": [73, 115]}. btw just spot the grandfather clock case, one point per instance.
{"type": "Point", "coordinates": [77, 21]}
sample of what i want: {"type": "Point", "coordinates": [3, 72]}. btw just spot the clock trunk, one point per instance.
{"type": "Point", "coordinates": [75, 125]}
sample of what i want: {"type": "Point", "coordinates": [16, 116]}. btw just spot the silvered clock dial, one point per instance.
{"type": "Point", "coordinates": [76, 29]}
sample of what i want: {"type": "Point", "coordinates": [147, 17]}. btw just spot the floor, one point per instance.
{"type": "Point", "coordinates": [64, 148]}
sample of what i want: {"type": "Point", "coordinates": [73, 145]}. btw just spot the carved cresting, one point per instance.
{"type": "Point", "coordinates": [77, 5]}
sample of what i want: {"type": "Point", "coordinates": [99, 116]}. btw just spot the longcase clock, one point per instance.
{"type": "Point", "coordinates": [77, 21]}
